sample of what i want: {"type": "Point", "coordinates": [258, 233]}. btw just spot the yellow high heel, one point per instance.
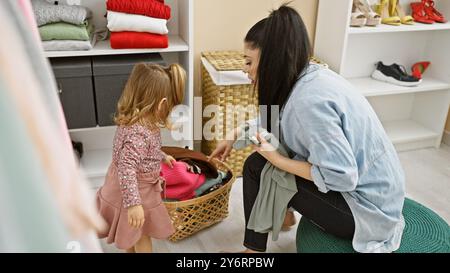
{"type": "Point", "coordinates": [383, 10]}
{"type": "Point", "coordinates": [396, 9]}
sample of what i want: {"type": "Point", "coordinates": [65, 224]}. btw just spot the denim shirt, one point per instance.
{"type": "Point", "coordinates": [329, 124]}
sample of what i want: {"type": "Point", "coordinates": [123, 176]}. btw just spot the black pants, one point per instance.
{"type": "Point", "coordinates": [329, 211]}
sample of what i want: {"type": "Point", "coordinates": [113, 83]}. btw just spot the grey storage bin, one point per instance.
{"type": "Point", "coordinates": [110, 76]}
{"type": "Point", "coordinates": [74, 81]}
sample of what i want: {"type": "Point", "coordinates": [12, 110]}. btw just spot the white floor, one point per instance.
{"type": "Point", "coordinates": [427, 181]}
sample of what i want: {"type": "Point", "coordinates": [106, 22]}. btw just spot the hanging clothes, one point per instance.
{"type": "Point", "coordinates": [43, 194]}
{"type": "Point", "coordinates": [40, 64]}
{"type": "Point", "coordinates": [27, 11]}
{"type": "Point", "coordinates": [30, 221]}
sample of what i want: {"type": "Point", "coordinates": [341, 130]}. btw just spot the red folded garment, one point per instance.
{"type": "Point", "coordinates": [130, 39]}
{"type": "Point", "coordinates": [151, 8]}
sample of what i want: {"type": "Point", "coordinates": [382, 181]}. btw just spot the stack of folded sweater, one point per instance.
{"type": "Point", "coordinates": [138, 23]}
{"type": "Point", "coordinates": [63, 27]}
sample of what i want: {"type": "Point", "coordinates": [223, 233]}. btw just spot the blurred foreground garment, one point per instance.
{"type": "Point", "coordinates": [44, 199]}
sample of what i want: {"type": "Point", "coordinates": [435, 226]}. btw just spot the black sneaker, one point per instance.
{"type": "Point", "coordinates": [394, 74]}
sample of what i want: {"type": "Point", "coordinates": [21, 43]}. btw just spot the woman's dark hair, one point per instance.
{"type": "Point", "coordinates": [285, 51]}
{"type": "Point", "coordinates": [255, 34]}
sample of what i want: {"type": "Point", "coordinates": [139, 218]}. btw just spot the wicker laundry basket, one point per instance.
{"type": "Point", "coordinates": [191, 216]}
{"type": "Point", "coordinates": [222, 95]}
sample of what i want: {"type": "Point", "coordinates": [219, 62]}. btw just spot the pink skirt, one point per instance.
{"type": "Point", "coordinates": [157, 222]}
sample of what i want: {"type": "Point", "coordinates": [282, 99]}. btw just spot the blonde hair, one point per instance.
{"type": "Point", "coordinates": [147, 85]}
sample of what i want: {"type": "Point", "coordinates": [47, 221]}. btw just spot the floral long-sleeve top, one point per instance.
{"type": "Point", "coordinates": [136, 150]}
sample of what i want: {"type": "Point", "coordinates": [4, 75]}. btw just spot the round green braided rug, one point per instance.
{"type": "Point", "coordinates": [425, 232]}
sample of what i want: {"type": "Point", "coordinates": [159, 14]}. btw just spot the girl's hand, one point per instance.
{"type": "Point", "coordinates": [136, 216]}
{"type": "Point", "coordinates": [168, 160]}
{"type": "Point", "coordinates": [267, 150]}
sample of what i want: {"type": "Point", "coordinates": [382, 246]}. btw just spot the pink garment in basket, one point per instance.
{"type": "Point", "coordinates": [180, 182]}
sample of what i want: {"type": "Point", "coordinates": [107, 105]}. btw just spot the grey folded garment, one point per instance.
{"type": "Point", "coordinates": [46, 13]}
{"type": "Point", "coordinates": [67, 45]}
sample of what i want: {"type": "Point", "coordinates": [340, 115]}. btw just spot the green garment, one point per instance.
{"type": "Point", "coordinates": [209, 183]}
{"type": "Point", "coordinates": [276, 189]}
{"type": "Point", "coordinates": [31, 220]}
{"type": "Point", "coordinates": [66, 31]}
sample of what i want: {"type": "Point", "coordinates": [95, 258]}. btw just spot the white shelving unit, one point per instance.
{"type": "Point", "coordinates": [413, 117]}
{"type": "Point", "coordinates": [97, 142]}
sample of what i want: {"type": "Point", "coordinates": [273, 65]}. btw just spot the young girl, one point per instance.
{"type": "Point", "coordinates": [130, 199]}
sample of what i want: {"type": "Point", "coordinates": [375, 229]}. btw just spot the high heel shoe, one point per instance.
{"type": "Point", "coordinates": [419, 68]}
{"type": "Point", "coordinates": [419, 14]}
{"type": "Point", "coordinates": [357, 18]}
{"type": "Point", "coordinates": [396, 9]}
{"type": "Point", "coordinates": [373, 19]}
{"type": "Point", "coordinates": [383, 9]}
{"type": "Point", "coordinates": [432, 13]}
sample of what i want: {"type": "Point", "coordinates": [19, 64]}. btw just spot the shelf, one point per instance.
{"type": "Point", "coordinates": [176, 44]}
{"type": "Point", "coordinates": [90, 129]}
{"type": "Point", "coordinates": [403, 28]}
{"type": "Point", "coordinates": [370, 87]}
{"type": "Point", "coordinates": [407, 131]}
{"type": "Point", "coordinates": [95, 163]}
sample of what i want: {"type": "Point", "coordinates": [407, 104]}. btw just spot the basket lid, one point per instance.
{"type": "Point", "coordinates": [225, 60]}
{"type": "Point", "coordinates": [234, 60]}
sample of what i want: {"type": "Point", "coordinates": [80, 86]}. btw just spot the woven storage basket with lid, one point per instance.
{"type": "Point", "coordinates": [224, 83]}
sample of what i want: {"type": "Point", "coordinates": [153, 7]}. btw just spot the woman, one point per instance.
{"type": "Point", "coordinates": [349, 178]}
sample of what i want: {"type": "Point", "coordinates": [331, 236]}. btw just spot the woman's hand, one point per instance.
{"type": "Point", "coordinates": [222, 150]}
{"type": "Point", "coordinates": [136, 217]}
{"type": "Point", "coordinates": [296, 167]}
{"type": "Point", "coordinates": [168, 160]}
{"type": "Point", "coordinates": [267, 150]}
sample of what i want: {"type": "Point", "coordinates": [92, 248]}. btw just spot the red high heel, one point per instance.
{"type": "Point", "coordinates": [418, 13]}
{"type": "Point", "coordinates": [419, 68]}
{"type": "Point", "coordinates": [432, 13]}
